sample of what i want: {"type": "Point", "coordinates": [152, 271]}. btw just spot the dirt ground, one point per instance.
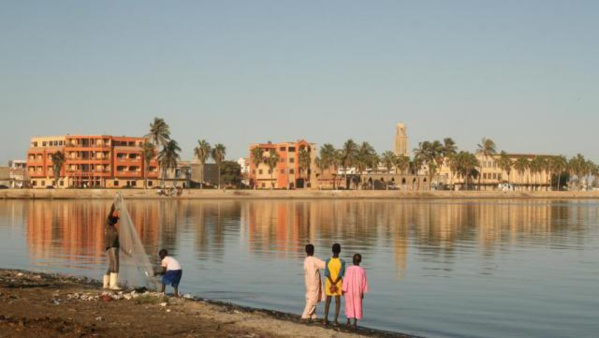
{"type": "Point", "coordinates": [42, 305]}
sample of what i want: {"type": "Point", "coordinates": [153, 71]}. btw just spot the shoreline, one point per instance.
{"type": "Point", "coordinates": [42, 304]}
{"type": "Point", "coordinates": [213, 194]}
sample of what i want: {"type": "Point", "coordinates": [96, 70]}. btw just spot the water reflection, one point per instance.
{"type": "Point", "coordinates": [280, 229]}
{"type": "Point", "coordinates": [463, 268]}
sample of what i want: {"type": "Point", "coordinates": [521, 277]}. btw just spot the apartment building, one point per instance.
{"type": "Point", "coordinates": [101, 161]}
{"type": "Point", "coordinates": [288, 173]}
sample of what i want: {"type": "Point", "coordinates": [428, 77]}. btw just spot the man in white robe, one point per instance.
{"type": "Point", "coordinates": [314, 293]}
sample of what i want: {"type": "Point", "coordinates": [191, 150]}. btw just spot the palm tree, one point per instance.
{"type": "Point", "coordinates": [168, 157]}
{"type": "Point", "coordinates": [328, 159]}
{"type": "Point", "coordinates": [58, 160]}
{"type": "Point", "coordinates": [218, 155]}
{"type": "Point", "coordinates": [349, 154]}
{"type": "Point", "coordinates": [272, 160]}
{"type": "Point", "coordinates": [536, 167]}
{"type": "Point", "coordinates": [202, 153]}
{"type": "Point", "coordinates": [521, 165]}
{"type": "Point", "coordinates": [148, 151]}
{"type": "Point", "coordinates": [431, 154]}
{"type": "Point", "coordinates": [159, 132]}
{"type": "Point", "coordinates": [486, 148]}
{"type": "Point", "coordinates": [466, 164]}
{"type": "Point", "coordinates": [449, 147]}
{"type": "Point", "coordinates": [578, 167]}
{"type": "Point", "coordinates": [389, 159]}
{"type": "Point", "coordinates": [304, 161]}
{"type": "Point", "coordinates": [558, 165]}
{"type": "Point", "coordinates": [256, 157]}
{"type": "Point", "coordinates": [362, 160]}
{"type": "Point", "coordinates": [160, 135]}
{"type": "Point", "coordinates": [505, 164]}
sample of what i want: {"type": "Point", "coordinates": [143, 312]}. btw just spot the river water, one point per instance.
{"type": "Point", "coordinates": [436, 268]}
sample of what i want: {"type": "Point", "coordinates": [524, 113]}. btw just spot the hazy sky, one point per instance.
{"type": "Point", "coordinates": [523, 73]}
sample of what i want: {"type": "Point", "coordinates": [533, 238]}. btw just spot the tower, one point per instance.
{"type": "Point", "coordinates": [401, 140]}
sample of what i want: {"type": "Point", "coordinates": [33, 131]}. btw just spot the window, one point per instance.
{"type": "Point", "coordinates": [291, 148]}
{"type": "Point", "coordinates": [260, 172]}
{"type": "Point", "coordinates": [43, 183]}
{"type": "Point", "coordinates": [62, 183]}
{"type": "Point", "coordinates": [291, 160]}
{"type": "Point", "coordinates": [282, 149]}
{"type": "Point", "coordinates": [269, 171]}
{"type": "Point", "coordinates": [116, 183]}
{"type": "Point", "coordinates": [282, 160]}
{"type": "Point", "coordinates": [44, 144]}
{"type": "Point", "coordinates": [150, 183]}
{"type": "Point", "coordinates": [262, 185]}
{"type": "Point", "coordinates": [292, 171]}
{"type": "Point", "coordinates": [35, 183]}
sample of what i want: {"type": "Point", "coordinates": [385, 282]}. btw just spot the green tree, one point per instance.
{"type": "Point", "coordinates": [389, 159]}
{"type": "Point", "coordinates": [363, 160]}
{"type": "Point", "coordinates": [578, 167]}
{"type": "Point", "coordinates": [148, 152]}
{"type": "Point", "coordinates": [168, 158]}
{"type": "Point", "coordinates": [202, 153]}
{"type": "Point", "coordinates": [349, 154]}
{"type": "Point", "coordinates": [328, 159]}
{"type": "Point", "coordinates": [256, 157]}
{"type": "Point", "coordinates": [272, 160]}
{"type": "Point", "coordinates": [486, 149]}
{"type": "Point", "coordinates": [218, 155]}
{"type": "Point", "coordinates": [558, 165]}
{"type": "Point", "coordinates": [505, 164]}
{"type": "Point", "coordinates": [159, 133]}
{"type": "Point", "coordinates": [230, 173]}
{"type": "Point", "coordinates": [58, 160]}
{"type": "Point", "coordinates": [304, 161]}
{"type": "Point", "coordinates": [466, 164]}
{"type": "Point", "coordinates": [521, 165]}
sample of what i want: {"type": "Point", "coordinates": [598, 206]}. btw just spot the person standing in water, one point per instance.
{"type": "Point", "coordinates": [334, 271]}
{"type": "Point", "coordinates": [112, 245]}
{"type": "Point", "coordinates": [355, 286]}
{"type": "Point", "coordinates": [171, 271]}
{"type": "Point", "coordinates": [313, 282]}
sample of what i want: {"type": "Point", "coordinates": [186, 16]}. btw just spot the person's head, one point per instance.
{"type": "Point", "coordinates": [336, 249]}
{"type": "Point", "coordinates": [357, 259]}
{"type": "Point", "coordinates": [310, 250]}
{"type": "Point", "coordinates": [113, 220]}
{"type": "Point", "coordinates": [162, 253]}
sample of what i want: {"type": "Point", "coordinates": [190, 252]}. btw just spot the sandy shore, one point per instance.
{"type": "Point", "coordinates": [44, 305]}
{"type": "Point", "coordinates": [290, 194]}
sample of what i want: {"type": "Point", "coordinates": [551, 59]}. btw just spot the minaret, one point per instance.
{"type": "Point", "coordinates": [401, 140]}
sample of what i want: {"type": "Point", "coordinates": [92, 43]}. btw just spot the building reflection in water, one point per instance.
{"type": "Point", "coordinates": [436, 230]}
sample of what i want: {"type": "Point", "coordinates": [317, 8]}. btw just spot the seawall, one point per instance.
{"type": "Point", "coordinates": [290, 194]}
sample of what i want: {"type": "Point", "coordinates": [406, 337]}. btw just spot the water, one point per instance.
{"type": "Point", "coordinates": [524, 268]}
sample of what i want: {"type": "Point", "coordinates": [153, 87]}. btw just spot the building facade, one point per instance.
{"type": "Point", "coordinates": [288, 172]}
{"type": "Point", "coordinates": [90, 161]}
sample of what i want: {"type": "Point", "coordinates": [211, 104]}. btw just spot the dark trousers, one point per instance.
{"type": "Point", "coordinates": [113, 260]}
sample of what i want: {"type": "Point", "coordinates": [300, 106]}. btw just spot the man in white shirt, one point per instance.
{"type": "Point", "coordinates": [171, 271]}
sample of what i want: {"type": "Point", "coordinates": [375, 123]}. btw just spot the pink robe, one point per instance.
{"type": "Point", "coordinates": [355, 286]}
{"type": "Point", "coordinates": [313, 285]}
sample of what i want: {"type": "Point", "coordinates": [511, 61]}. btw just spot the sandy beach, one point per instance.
{"type": "Point", "coordinates": [44, 305]}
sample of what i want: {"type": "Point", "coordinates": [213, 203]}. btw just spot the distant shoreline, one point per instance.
{"type": "Point", "coordinates": [212, 194]}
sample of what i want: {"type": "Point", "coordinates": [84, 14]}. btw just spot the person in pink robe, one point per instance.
{"type": "Point", "coordinates": [355, 286]}
{"type": "Point", "coordinates": [314, 293]}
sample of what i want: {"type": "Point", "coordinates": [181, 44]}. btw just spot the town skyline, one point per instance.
{"type": "Point", "coordinates": [521, 74]}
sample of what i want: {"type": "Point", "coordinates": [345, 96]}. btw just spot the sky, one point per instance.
{"type": "Point", "coordinates": [522, 73]}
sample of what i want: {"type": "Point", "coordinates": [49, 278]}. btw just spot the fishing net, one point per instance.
{"type": "Point", "coordinates": [135, 268]}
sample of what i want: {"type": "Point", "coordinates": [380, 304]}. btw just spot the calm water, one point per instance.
{"type": "Point", "coordinates": [435, 268]}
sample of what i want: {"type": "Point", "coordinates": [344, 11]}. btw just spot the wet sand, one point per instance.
{"type": "Point", "coordinates": [50, 305]}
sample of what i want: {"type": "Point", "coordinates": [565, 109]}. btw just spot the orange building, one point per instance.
{"type": "Point", "coordinates": [101, 161]}
{"type": "Point", "coordinates": [288, 173]}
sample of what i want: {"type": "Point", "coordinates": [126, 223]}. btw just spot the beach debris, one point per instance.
{"type": "Point", "coordinates": [163, 304]}
{"type": "Point", "coordinates": [99, 319]}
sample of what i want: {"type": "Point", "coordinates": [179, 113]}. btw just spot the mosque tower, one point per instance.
{"type": "Point", "coordinates": [401, 140]}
